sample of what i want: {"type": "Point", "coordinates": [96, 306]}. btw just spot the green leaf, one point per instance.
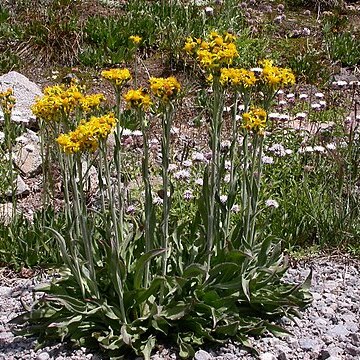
{"type": "Point", "coordinates": [186, 350]}
{"type": "Point", "coordinates": [140, 265]}
{"type": "Point", "coordinates": [277, 330]}
{"type": "Point", "coordinates": [245, 284]}
{"type": "Point", "coordinates": [176, 312]}
{"type": "Point", "coordinates": [148, 347]}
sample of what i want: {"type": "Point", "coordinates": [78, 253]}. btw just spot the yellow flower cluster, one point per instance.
{"type": "Point", "coordinates": [137, 99]}
{"type": "Point", "coordinates": [87, 135]}
{"type": "Point", "coordinates": [214, 53]}
{"type": "Point", "coordinates": [91, 102]}
{"type": "Point", "coordinates": [255, 120]}
{"type": "Point", "coordinates": [118, 77]}
{"type": "Point", "coordinates": [237, 77]}
{"type": "Point", "coordinates": [165, 88]}
{"type": "Point", "coordinates": [135, 39]}
{"type": "Point", "coordinates": [7, 101]}
{"type": "Point", "coordinates": [59, 101]}
{"type": "Point", "coordinates": [274, 76]}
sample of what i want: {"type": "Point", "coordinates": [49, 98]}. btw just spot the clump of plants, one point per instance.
{"type": "Point", "coordinates": [132, 281]}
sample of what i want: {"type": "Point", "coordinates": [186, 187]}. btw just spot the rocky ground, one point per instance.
{"type": "Point", "coordinates": [328, 329]}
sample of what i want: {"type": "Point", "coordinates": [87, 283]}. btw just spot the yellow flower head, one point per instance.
{"type": "Point", "coordinates": [137, 99]}
{"type": "Point", "coordinates": [276, 77]}
{"type": "Point", "coordinates": [7, 101]}
{"type": "Point", "coordinates": [87, 135]}
{"type": "Point", "coordinates": [215, 52]}
{"type": "Point", "coordinates": [91, 102]}
{"type": "Point", "coordinates": [58, 101]}
{"type": "Point", "coordinates": [237, 77]}
{"type": "Point", "coordinates": [135, 39]}
{"type": "Point", "coordinates": [118, 77]}
{"type": "Point", "coordinates": [255, 120]}
{"type": "Point", "coordinates": [165, 88]}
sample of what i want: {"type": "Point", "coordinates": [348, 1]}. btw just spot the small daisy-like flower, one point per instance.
{"type": "Point", "coordinates": [319, 95]}
{"type": "Point", "coordinates": [309, 149]}
{"type": "Point", "coordinates": [182, 175]}
{"type": "Point", "coordinates": [172, 167]}
{"type": "Point", "coordinates": [130, 210]}
{"type": "Point", "coordinates": [209, 11]}
{"type": "Point", "coordinates": [157, 200]}
{"type": "Point", "coordinates": [277, 149]}
{"type": "Point", "coordinates": [225, 145]}
{"type": "Point", "coordinates": [319, 149]}
{"type": "Point", "coordinates": [306, 31]}
{"type": "Point", "coordinates": [274, 116]}
{"type": "Point", "coordinates": [198, 157]}
{"type": "Point", "coordinates": [315, 106]}
{"type": "Point", "coordinates": [288, 151]}
{"type": "Point", "coordinates": [223, 198]}
{"type": "Point", "coordinates": [235, 208]}
{"type": "Point", "coordinates": [199, 182]}
{"type": "Point", "coordinates": [227, 165]}
{"type": "Point", "coordinates": [187, 163]}
{"type": "Point", "coordinates": [188, 194]}
{"type": "Point", "coordinates": [300, 116]}
{"type": "Point", "coordinates": [330, 146]}
{"type": "Point", "coordinates": [272, 203]}
{"type": "Point", "coordinates": [227, 178]}
{"type": "Point", "coordinates": [267, 160]}
{"type": "Point", "coordinates": [303, 96]}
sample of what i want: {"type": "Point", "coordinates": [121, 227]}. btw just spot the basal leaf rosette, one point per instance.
{"type": "Point", "coordinates": [255, 120]}
{"type": "Point", "coordinates": [7, 101]}
{"type": "Point", "coordinates": [214, 53]}
{"type": "Point", "coordinates": [117, 77]}
{"type": "Point", "coordinates": [165, 89]}
{"type": "Point", "coordinates": [87, 135]}
{"type": "Point", "coordinates": [137, 99]}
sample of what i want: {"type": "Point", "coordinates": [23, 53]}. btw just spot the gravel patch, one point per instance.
{"type": "Point", "coordinates": [328, 329]}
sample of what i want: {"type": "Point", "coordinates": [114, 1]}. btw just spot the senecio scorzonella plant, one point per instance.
{"type": "Point", "coordinates": [117, 77]}
{"type": "Point", "coordinates": [255, 120]}
{"type": "Point", "coordinates": [135, 39]}
{"type": "Point", "coordinates": [166, 89]}
{"type": "Point", "coordinates": [215, 52]}
{"type": "Point", "coordinates": [62, 100]}
{"type": "Point", "coordinates": [7, 101]}
{"type": "Point", "coordinates": [87, 135]}
{"type": "Point", "coordinates": [237, 77]}
{"type": "Point", "coordinates": [276, 77]}
{"type": "Point", "coordinates": [137, 99]}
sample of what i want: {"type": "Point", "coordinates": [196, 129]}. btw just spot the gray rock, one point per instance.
{"type": "Point", "coordinates": [308, 344]}
{"type": "Point", "coordinates": [43, 356]}
{"type": "Point", "coordinates": [202, 355]}
{"type": "Point", "coordinates": [21, 189]}
{"type": "Point", "coordinates": [324, 354]}
{"type": "Point", "coordinates": [28, 158]}
{"type": "Point", "coordinates": [352, 350]}
{"type": "Point", "coordinates": [338, 331]}
{"type": "Point", "coordinates": [25, 92]}
{"type": "Point", "coordinates": [267, 356]}
{"type": "Point", "coordinates": [355, 339]}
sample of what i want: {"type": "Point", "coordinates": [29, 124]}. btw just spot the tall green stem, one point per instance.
{"type": "Point", "coordinates": [165, 149]}
{"type": "Point", "coordinates": [148, 197]}
{"type": "Point", "coordinates": [215, 132]}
